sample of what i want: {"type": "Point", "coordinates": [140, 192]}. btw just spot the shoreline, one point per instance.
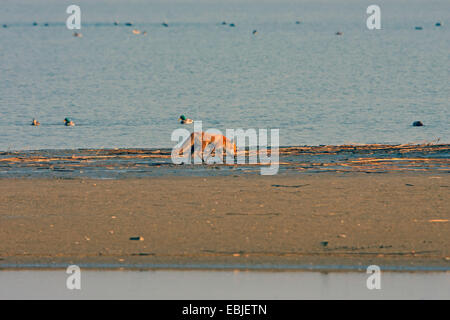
{"type": "Point", "coordinates": [354, 219]}
{"type": "Point", "coordinates": [343, 145]}
{"type": "Point", "coordinates": [230, 268]}
{"type": "Point", "coordinates": [138, 163]}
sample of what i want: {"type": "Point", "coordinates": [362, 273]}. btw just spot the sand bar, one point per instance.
{"type": "Point", "coordinates": [396, 219]}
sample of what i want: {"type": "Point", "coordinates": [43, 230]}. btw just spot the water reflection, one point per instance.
{"type": "Point", "coordinates": [163, 284]}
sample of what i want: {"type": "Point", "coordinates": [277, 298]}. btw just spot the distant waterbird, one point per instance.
{"type": "Point", "coordinates": [5, 26]}
{"type": "Point", "coordinates": [232, 25]}
{"type": "Point", "coordinates": [417, 124]}
{"type": "Point", "coordinates": [438, 24]}
{"type": "Point", "coordinates": [128, 24]}
{"type": "Point", "coordinates": [35, 123]}
{"type": "Point", "coordinates": [418, 28]}
{"type": "Point", "coordinates": [184, 120]}
{"type": "Point", "coordinates": [68, 122]}
{"type": "Point", "coordinates": [339, 33]}
{"type": "Point", "coordinates": [77, 35]}
{"type": "Point", "coordinates": [255, 32]}
{"type": "Point", "coordinates": [165, 24]}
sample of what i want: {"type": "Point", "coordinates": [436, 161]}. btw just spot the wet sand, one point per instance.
{"type": "Point", "coordinates": [389, 219]}
{"type": "Point", "coordinates": [139, 163]}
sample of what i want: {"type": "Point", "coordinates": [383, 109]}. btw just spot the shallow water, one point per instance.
{"type": "Point", "coordinates": [222, 285]}
{"type": "Point", "coordinates": [125, 90]}
{"type": "Point", "coordinates": [128, 163]}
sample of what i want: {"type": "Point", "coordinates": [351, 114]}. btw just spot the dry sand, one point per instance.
{"type": "Point", "coordinates": [327, 219]}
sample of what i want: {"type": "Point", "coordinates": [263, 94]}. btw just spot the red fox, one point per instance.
{"type": "Point", "coordinates": [210, 142]}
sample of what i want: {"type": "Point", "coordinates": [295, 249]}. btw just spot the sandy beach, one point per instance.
{"type": "Point", "coordinates": [391, 219]}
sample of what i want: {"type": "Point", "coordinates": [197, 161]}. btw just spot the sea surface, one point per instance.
{"type": "Point", "coordinates": [185, 284]}
{"type": "Point", "coordinates": [127, 91]}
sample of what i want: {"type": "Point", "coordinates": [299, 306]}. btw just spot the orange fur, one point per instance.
{"type": "Point", "coordinates": [217, 140]}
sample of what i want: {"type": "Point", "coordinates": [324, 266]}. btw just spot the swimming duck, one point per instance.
{"type": "Point", "coordinates": [184, 120]}
{"type": "Point", "coordinates": [136, 31]}
{"type": "Point", "coordinates": [68, 122]}
{"type": "Point", "coordinates": [35, 123]}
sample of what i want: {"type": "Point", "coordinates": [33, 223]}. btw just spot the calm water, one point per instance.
{"type": "Point", "coordinates": [221, 285]}
{"type": "Point", "coordinates": [126, 90]}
